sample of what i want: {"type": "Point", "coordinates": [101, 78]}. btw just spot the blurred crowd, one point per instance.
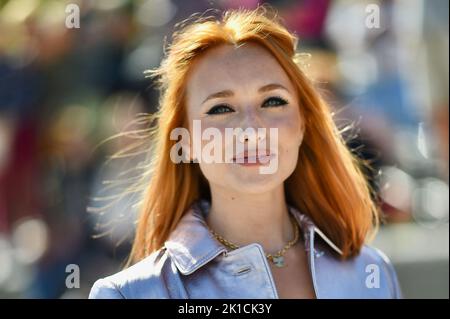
{"type": "Point", "coordinates": [65, 90]}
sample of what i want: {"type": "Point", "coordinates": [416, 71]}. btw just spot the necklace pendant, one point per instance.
{"type": "Point", "coordinates": [278, 261]}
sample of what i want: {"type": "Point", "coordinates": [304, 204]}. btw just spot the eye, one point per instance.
{"type": "Point", "coordinates": [274, 102]}
{"type": "Point", "coordinates": [220, 109]}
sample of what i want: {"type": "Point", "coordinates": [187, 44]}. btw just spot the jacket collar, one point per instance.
{"type": "Point", "coordinates": [191, 245]}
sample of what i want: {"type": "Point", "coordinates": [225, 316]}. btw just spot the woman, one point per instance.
{"type": "Point", "coordinates": [224, 228]}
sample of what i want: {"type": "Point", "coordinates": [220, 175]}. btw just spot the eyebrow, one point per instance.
{"type": "Point", "coordinates": [228, 93]}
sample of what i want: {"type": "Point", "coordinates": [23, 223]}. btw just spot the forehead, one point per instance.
{"type": "Point", "coordinates": [243, 68]}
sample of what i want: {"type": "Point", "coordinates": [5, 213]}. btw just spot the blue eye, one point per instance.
{"type": "Point", "coordinates": [220, 109]}
{"type": "Point", "coordinates": [274, 102]}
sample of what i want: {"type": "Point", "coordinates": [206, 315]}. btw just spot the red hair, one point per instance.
{"type": "Point", "coordinates": [328, 184]}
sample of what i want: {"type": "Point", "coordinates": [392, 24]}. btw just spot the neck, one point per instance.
{"type": "Point", "coordinates": [251, 218]}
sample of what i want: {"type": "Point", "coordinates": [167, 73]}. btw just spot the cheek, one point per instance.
{"type": "Point", "coordinates": [224, 145]}
{"type": "Point", "coordinates": [200, 138]}
{"type": "Point", "coordinates": [214, 172]}
{"type": "Point", "coordinates": [290, 137]}
{"type": "Point", "coordinates": [290, 131]}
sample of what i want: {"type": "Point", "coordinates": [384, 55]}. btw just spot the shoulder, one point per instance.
{"type": "Point", "coordinates": [369, 274]}
{"type": "Point", "coordinates": [378, 263]}
{"type": "Point", "coordinates": [144, 279]}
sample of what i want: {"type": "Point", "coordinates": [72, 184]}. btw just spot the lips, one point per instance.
{"type": "Point", "coordinates": [249, 158]}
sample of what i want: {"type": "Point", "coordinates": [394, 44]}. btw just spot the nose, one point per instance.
{"type": "Point", "coordinates": [252, 134]}
{"type": "Point", "coordinates": [250, 124]}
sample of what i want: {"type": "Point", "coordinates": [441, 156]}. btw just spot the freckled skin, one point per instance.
{"type": "Point", "coordinates": [244, 70]}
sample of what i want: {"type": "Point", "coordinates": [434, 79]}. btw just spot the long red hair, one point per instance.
{"type": "Point", "coordinates": [328, 184]}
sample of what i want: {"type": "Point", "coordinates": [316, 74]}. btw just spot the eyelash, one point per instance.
{"type": "Point", "coordinates": [276, 98]}
{"type": "Point", "coordinates": [213, 110]}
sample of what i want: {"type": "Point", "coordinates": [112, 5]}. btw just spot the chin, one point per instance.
{"type": "Point", "coordinates": [254, 183]}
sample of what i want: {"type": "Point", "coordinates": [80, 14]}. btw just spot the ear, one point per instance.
{"type": "Point", "coordinates": [302, 134]}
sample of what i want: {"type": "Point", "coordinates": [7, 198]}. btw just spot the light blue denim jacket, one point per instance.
{"type": "Point", "coordinates": [193, 264]}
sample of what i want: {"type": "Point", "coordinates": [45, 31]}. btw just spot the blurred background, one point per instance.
{"type": "Point", "coordinates": [381, 64]}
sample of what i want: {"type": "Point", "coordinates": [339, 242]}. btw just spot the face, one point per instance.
{"type": "Point", "coordinates": [244, 88]}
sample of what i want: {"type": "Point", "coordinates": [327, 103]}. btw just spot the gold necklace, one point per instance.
{"type": "Point", "coordinates": [278, 258]}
